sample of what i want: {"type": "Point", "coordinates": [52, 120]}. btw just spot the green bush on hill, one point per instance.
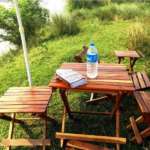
{"type": "Point", "coordinates": [33, 18]}
{"type": "Point", "coordinates": [59, 26]}
{"type": "Point", "coordinates": [139, 38]}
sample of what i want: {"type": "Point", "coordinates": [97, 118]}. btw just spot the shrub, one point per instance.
{"type": "Point", "coordinates": [123, 11]}
{"type": "Point", "coordinates": [33, 18]}
{"type": "Point", "coordinates": [130, 11]}
{"type": "Point", "coordinates": [139, 38]}
{"type": "Point", "coordinates": [77, 4]}
{"type": "Point", "coordinates": [109, 12]}
{"type": "Point", "coordinates": [61, 25]}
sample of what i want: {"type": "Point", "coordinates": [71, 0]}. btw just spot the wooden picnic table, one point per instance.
{"type": "Point", "coordinates": [112, 78]}
{"type": "Point", "coordinates": [28, 100]}
{"type": "Point", "coordinates": [131, 54]}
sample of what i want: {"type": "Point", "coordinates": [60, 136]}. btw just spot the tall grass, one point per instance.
{"type": "Point", "coordinates": [119, 11]}
{"type": "Point", "coordinates": [61, 25]}
{"type": "Point", "coordinates": [77, 4]}
{"type": "Point", "coordinates": [139, 38]}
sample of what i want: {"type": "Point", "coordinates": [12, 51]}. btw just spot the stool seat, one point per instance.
{"type": "Point", "coordinates": [25, 100]}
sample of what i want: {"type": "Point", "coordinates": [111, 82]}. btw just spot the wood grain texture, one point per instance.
{"type": "Point", "coordinates": [25, 100]}
{"type": "Point", "coordinates": [111, 77]}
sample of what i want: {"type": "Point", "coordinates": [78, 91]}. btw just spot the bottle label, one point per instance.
{"type": "Point", "coordinates": [92, 57]}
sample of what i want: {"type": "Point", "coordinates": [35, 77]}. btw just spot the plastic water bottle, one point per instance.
{"type": "Point", "coordinates": [92, 61]}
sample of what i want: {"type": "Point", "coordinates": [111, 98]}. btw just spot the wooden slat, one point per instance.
{"type": "Point", "coordinates": [146, 99]}
{"type": "Point", "coordinates": [28, 102]}
{"type": "Point", "coordinates": [135, 130]}
{"type": "Point", "coordinates": [136, 82]}
{"type": "Point", "coordinates": [146, 79]}
{"type": "Point", "coordinates": [141, 81]}
{"type": "Point", "coordinates": [21, 106]}
{"type": "Point", "coordinates": [29, 88]}
{"type": "Point", "coordinates": [141, 103]}
{"type": "Point", "coordinates": [22, 110]}
{"type": "Point", "coordinates": [85, 146]}
{"type": "Point", "coordinates": [94, 138]}
{"type": "Point", "coordinates": [127, 53]}
{"type": "Point", "coordinates": [25, 97]}
{"type": "Point", "coordinates": [25, 142]}
{"type": "Point", "coordinates": [26, 93]}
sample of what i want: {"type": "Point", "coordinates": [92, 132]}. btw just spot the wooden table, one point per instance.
{"type": "Point", "coordinates": [132, 55]}
{"type": "Point", "coordinates": [112, 78]}
{"type": "Point", "coordinates": [32, 100]}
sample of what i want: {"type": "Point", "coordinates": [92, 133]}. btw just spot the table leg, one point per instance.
{"type": "Point", "coordinates": [63, 126]}
{"type": "Point", "coordinates": [132, 63]}
{"type": "Point", "coordinates": [116, 110]}
{"type": "Point", "coordinates": [120, 59]}
{"type": "Point", "coordinates": [65, 101]}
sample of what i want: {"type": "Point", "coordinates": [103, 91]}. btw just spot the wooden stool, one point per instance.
{"type": "Point", "coordinates": [143, 101]}
{"type": "Point", "coordinates": [32, 100]}
{"type": "Point", "coordinates": [131, 54]}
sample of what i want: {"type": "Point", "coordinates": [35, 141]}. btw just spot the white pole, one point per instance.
{"type": "Point", "coordinates": [25, 51]}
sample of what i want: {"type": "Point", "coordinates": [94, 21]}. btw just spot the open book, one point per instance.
{"type": "Point", "coordinates": [72, 77]}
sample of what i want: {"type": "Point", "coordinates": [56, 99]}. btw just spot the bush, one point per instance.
{"type": "Point", "coordinates": [77, 4]}
{"type": "Point", "coordinates": [61, 25]}
{"type": "Point", "coordinates": [115, 11]}
{"type": "Point", "coordinates": [108, 12]}
{"type": "Point", "coordinates": [33, 18]}
{"type": "Point", "coordinates": [139, 38]}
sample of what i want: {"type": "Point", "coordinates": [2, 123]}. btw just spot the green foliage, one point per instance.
{"type": "Point", "coordinates": [61, 25]}
{"type": "Point", "coordinates": [116, 11]}
{"type": "Point", "coordinates": [139, 38]}
{"type": "Point", "coordinates": [33, 18]}
{"type": "Point", "coordinates": [77, 4]}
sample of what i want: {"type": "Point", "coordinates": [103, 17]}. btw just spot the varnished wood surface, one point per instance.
{"type": "Point", "coordinates": [127, 53]}
{"type": "Point", "coordinates": [143, 100]}
{"type": "Point", "coordinates": [111, 77]}
{"type": "Point", "coordinates": [25, 100]}
{"type": "Point", "coordinates": [94, 138]}
{"type": "Point", "coordinates": [85, 146]}
{"type": "Point", "coordinates": [140, 80]}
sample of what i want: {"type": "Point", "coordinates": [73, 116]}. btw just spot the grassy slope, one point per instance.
{"type": "Point", "coordinates": [46, 58]}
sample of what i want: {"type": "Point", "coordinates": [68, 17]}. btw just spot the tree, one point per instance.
{"type": "Point", "coordinates": [33, 18]}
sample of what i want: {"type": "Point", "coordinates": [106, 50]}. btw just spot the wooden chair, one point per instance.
{"type": "Point", "coordinates": [143, 101]}
{"type": "Point", "coordinates": [93, 98]}
{"type": "Point", "coordinates": [140, 80]}
{"type": "Point", "coordinates": [80, 141]}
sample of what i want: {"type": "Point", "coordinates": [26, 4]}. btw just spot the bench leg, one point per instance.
{"type": "Point", "coordinates": [11, 128]}
{"type": "Point", "coordinates": [139, 120]}
{"type": "Point", "coordinates": [44, 131]}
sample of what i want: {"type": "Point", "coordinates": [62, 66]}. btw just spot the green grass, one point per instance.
{"type": "Point", "coordinates": [46, 58]}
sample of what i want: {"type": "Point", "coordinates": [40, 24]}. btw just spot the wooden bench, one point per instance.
{"type": "Point", "coordinates": [140, 80]}
{"type": "Point", "coordinates": [143, 101]}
